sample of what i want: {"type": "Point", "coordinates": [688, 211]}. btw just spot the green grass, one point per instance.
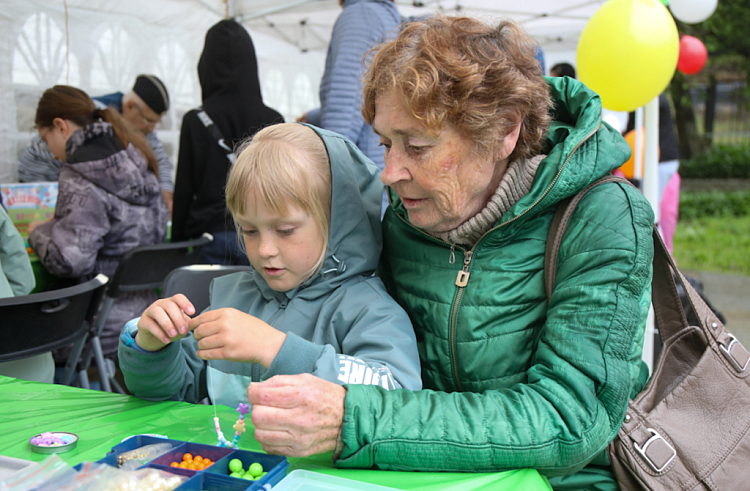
{"type": "Point", "coordinates": [719, 244]}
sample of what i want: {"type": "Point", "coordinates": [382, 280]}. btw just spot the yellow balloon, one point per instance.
{"type": "Point", "coordinates": [628, 52]}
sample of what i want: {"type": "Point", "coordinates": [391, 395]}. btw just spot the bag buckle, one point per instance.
{"type": "Point", "coordinates": [732, 350]}
{"type": "Point", "coordinates": [656, 451]}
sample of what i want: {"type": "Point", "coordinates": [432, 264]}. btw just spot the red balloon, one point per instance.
{"type": "Point", "coordinates": [693, 55]}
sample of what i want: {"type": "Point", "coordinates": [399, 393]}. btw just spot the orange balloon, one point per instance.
{"type": "Point", "coordinates": [628, 168]}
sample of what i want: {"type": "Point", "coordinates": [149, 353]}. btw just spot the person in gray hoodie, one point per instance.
{"type": "Point", "coordinates": [307, 204]}
{"type": "Point", "coordinates": [361, 25]}
{"type": "Point", "coordinates": [109, 199]}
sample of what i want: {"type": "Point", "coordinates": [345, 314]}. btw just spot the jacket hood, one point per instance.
{"type": "Point", "coordinates": [580, 148]}
{"type": "Point", "coordinates": [228, 73]}
{"type": "Point", "coordinates": [354, 236]}
{"type": "Point", "coordinates": [97, 154]}
{"type": "Point", "coordinates": [228, 63]}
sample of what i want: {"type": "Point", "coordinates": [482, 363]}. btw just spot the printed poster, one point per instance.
{"type": "Point", "coordinates": [29, 201]}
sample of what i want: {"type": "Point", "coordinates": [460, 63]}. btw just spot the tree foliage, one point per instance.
{"type": "Point", "coordinates": [725, 35]}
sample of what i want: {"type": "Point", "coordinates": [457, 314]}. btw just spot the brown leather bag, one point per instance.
{"type": "Point", "coordinates": [688, 428]}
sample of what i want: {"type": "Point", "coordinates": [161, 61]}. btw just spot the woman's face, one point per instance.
{"type": "Point", "coordinates": [441, 182]}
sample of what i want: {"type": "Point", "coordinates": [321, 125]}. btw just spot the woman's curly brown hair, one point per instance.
{"type": "Point", "coordinates": [478, 78]}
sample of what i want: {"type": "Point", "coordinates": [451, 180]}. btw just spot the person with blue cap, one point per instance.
{"type": "Point", "coordinates": [143, 106]}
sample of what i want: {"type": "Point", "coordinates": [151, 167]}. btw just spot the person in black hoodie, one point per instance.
{"type": "Point", "coordinates": [232, 110]}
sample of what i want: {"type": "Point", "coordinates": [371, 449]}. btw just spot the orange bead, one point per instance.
{"type": "Point", "coordinates": [182, 465]}
{"type": "Point", "coordinates": [199, 466]}
{"type": "Point", "coordinates": [187, 457]}
{"type": "Point", "coordinates": [197, 458]}
{"type": "Point", "coordinates": [174, 464]}
{"type": "Point", "coordinates": [207, 462]}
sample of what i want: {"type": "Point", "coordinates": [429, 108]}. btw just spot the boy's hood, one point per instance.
{"type": "Point", "coordinates": [354, 236]}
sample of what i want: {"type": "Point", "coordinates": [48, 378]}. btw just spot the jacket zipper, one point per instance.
{"type": "Point", "coordinates": [255, 371]}
{"type": "Point", "coordinates": [462, 279]}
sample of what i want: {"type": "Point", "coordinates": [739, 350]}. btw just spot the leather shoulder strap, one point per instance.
{"type": "Point", "coordinates": [560, 221]}
{"type": "Point", "coordinates": [668, 310]}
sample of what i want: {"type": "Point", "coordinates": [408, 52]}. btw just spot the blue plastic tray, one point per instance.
{"type": "Point", "coordinates": [215, 477]}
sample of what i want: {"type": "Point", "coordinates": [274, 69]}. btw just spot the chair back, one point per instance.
{"type": "Point", "coordinates": [193, 282]}
{"type": "Point", "coordinates": [145, 267]}
{"type": "Point", "coordinates": [42, 322]}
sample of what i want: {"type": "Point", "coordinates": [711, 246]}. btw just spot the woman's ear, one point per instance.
{"type": "Point", "coordinates": [508, 143]}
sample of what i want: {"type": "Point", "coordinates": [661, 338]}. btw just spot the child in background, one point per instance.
{"type": "Point", "coordinates": [17, 279]}
{"type": "Point", "coordinates": [307, 204]}
{"type": "Point", "coordinates": [109, 199]}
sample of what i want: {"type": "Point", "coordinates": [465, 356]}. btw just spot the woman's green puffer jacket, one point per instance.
{"type": "Point", "coordinates": [513, 382]}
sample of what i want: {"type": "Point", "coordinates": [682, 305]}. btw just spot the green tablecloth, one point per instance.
{"type": "Point", "coordinates": [101, 420]}
{"type": "Point", "coordinates": [42, 277]}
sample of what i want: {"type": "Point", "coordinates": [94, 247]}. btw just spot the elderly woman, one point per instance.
{"type": "Point", "coordinates": [479, 151]}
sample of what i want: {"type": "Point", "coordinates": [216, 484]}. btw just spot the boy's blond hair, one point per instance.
{"type": "Point", "coordinates": [281, 164]}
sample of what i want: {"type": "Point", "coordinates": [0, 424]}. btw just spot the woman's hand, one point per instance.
{"type": "Point", "coordinates": [163, 322]}
{"type": "Point", "coordinates": [228, 334]}
{"type": "Point", "coordinates": [297, 415]}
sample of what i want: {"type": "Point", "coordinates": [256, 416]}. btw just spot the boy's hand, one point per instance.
{"type": "Point", "coordinates": [163, 322]}
{"type": "Point", "coordinates": [228, 334]}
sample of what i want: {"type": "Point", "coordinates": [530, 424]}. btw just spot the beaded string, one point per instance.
{"type": "Point", "coordinates": [239, 426]}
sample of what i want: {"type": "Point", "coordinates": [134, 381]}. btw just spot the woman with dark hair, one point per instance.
{"type": "Point", "coordinates": [109, 200]}
{"type": "Point", "coordinates": [480, 149]}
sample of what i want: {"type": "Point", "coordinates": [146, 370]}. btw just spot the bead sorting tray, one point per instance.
{"type": "Point", "coordinates": [213, 478]}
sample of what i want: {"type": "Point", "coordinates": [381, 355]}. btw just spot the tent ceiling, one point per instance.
{"type": "Point", "coordinates": [100, 45]}
{"type": "Point", "coordinates": [556, 24]}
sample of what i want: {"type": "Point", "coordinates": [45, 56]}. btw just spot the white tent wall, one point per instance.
{"type": "Point", "coordinates": [101, 49]}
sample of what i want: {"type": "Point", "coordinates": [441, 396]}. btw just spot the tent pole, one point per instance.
{"type": "Point", "coordinates": [651, 156]}
{"type": "Point", "coordinates": [638, 156]}
{"type": "Point", "coordinates": [651, 192]}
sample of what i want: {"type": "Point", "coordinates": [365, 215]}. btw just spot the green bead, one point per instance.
{"type": "Point", "coordinates": [235, 465]}
{"type": "Point", "coordinates": [255, 469]}
{"type": "Point", "coordinates": [235, 474]}
{"type": "Point", "coordinates": [248, 477]}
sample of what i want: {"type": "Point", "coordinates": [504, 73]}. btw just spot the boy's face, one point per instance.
{"type": "Point", "coordinates": [283, 249]}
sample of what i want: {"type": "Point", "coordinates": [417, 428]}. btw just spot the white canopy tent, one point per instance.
{"type": "Point", "coordinates": [101, 45]}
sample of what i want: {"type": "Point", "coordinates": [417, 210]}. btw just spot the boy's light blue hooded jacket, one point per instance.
{"type": "Point", "coordinates": [341, 324]}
